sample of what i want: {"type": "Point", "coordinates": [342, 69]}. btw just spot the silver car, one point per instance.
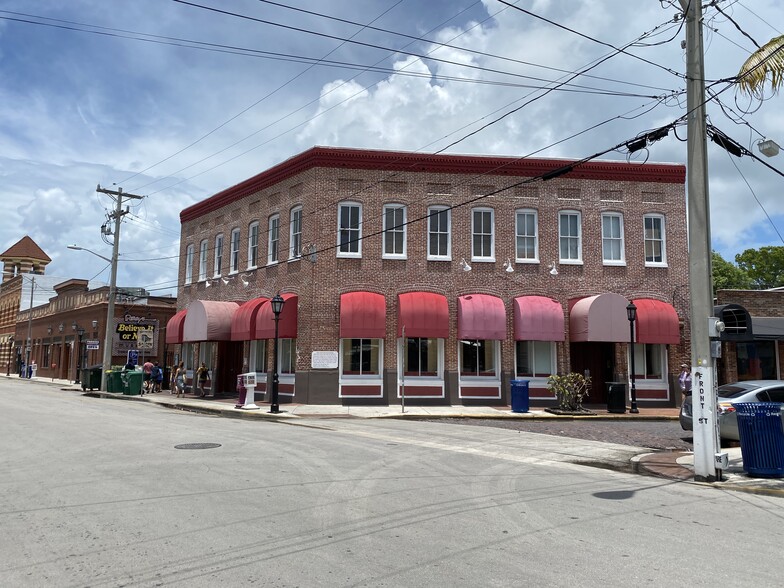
{"type": "Point", "coordinates": [748, 391]}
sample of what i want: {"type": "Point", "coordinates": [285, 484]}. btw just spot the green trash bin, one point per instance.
{"type": "Point", "coordinates": [133, 383]}
{"type": "Point", "coordinates": [114, 382]}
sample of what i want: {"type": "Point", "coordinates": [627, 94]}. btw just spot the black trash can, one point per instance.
{"type": "Point", "coordinates": [520, 400]}
{"type": "Point", "coordinates": [616, 397]}
{"type": "Point", "coordinates": [91, 377]}
{"type": "Point", "coordinates": [761, 438]}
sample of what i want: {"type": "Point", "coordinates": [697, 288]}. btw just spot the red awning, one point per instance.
{"type": "Point", "coordinates": [243, 323]}
{"type": "Point", "coordinates": [657, 322]}
{"type": "Point", "coordinates": [174, 327]}
{"type": "Point", "coordinates": [287, 323]}
{"type": "Point", "coordinates": [424, 314]}
{"type": "Point", "coordinates": [538, 318]}
{"type": "Point", "coordinates": [480, 316]}
{"type": "Point", "coordinates": [599, 318]}
{"type": "Point", "coordinates": [208, 320]}
{"type": "Point", "coordinates": [363, 315]}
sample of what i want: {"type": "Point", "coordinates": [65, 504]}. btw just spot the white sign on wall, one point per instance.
{"type": "Point", "coordinates": [324, 360]}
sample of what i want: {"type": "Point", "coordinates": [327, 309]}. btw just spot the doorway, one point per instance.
{"type": "Point", "coordinates": [596, 359]}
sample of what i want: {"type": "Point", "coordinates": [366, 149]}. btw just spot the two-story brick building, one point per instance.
{"type": "Point", "coordinates": [440, 277]}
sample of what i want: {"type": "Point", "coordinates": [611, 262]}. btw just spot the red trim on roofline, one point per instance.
{"type": "Point", "coordinates": [370, 159]}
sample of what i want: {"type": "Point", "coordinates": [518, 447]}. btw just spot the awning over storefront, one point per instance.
{"type": "Point", "coordinates": [599, 318]}
{"type": "Point", "coordinates": [243, 323]}
{"type": "Point", "coordinates": [480, 316]}
{"type": "Point", "coordinates": [174, 327]}
{"type": "Point", "coordinates": [768, 327]}
{"type": "Point", "coordinates": [538, 318]}
{"type": "Point", "coordinates": [363, 315]}
{"type": "Point", "coordinates": [208, 320]}
{"type": "Point", "coordinates": [287, 323]}
{"type": "Point", "coordinates": [657, 322]}
{"type": "Point", "coordinates": [424, 314]}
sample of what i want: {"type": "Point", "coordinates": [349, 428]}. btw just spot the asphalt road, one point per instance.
{"type": "Point", "coordinates": [660, 435]}
{"type": "Point", "coordinates": [96, 492]}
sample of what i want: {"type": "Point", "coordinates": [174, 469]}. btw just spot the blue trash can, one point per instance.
{"type": "Point", "coordinates": [519, 395]}
{"type": "Point", "coordinates": [761, 438]}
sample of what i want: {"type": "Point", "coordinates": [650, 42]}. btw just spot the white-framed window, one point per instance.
{"type": "Point", "coordinates": [423, 357]}
{"type": "Point", "coordinates": [655, 240]}
{"type": "Point", "coordinates": [349, 229]}
{"type": "Point", "coordinates": [439, 238]}
{"type": "Point", "coordinates": [535, 359]}
{"type": "Point", "coordinates": [361, 357]}
{"type": "Point", "coordinates": [234, 264]}
{"type": "Point", "coordinates": [395, 217]}
{"type": "Point", "coordinates": [482, 234]}
{"type": "Point", "coordinates": [253, 245]}
{"type": "Point", "coordinates": [189, 264]}
{"type": "Point", "coordinates": [295, 233]}
{"type": "Point", "coordinates": [287, 356]}
{"type": "Point", "coordinates": [612, 239]}
{"type": "Point", "coordinates": [258, 355]}
{"type": "Point", "coordinates": [570, 237]}
{"type": "Point", "coordinates": [649, 361]}
{"type": "Point", "coordinates": [218, 261]}
{"type": "Point", "coordinates": [203, 260]}
{"type": "Point", "coordinates": [273, 239]}
{"type": "Point", "coordinates": [478, 358]}
{"type": "Point", "coordinates": [526, 235]}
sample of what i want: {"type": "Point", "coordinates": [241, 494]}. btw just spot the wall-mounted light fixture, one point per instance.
{"type": "Point", "coordinates": [464, 265]}
{"type": "Point", "coordinates": [208, 283]}
{"type": "Point", "coordinates": [61, 327]}
{"type": "Point", "coordinates": [95, 324]}
{"type": "Point", "coordinates": [49, 329]}
{"type": "Point", "coordinates": [553, 270]}
{"type": "Point", "coordinates": [508, 266]}
{"type": "Point", "coordinates": [244, 279]}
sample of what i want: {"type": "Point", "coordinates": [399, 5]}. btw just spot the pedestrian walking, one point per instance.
{"type": "Point", "coordinates": [685, 380]}
{"type": "Point", "coordinates": [201, 377]}
{"type": "Point", "coordinates": [156, 377]}
{"type": "Point", "coordinates": [147, 371]}
{"type": "Point", "coordinates": [179, 379]}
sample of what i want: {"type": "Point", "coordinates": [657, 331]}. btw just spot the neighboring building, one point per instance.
{"type": "Point", "coordinates": [439, 276]}
{"type": "Point", "coordinates": [759, 355]}
{"type": "Point", "coordinates": [22, 263]}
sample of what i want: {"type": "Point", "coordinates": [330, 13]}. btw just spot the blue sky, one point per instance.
{"type": "Point", "coordinates": [177, 124]}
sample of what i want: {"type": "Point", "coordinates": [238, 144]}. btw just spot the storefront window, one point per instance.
{"type": "Point", "coordinates": [287, 355]}
{"type": "Point", "coordinates": [258, 353]}
{"type": "Point", "coordinates": [757, 360]}
{"type": "Point", "coordinates": [421, 357]}
{"type": "Point", "coordinates": [360, 357]}
{"type": "Point", "coordinates": [648, 361]}
{"type": "Point", "coordinates": [477, 358]}
{"type": "Point", "coordinates": [535, 359]}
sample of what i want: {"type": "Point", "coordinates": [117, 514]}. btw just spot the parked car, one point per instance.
{"type": "Point", "coordinates": [748, 391]}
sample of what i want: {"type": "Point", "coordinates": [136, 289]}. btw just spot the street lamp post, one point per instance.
{"type": "Point", "coordinates": [631, 314]}
{"type": "Point", "coordinates": [107, 340]}
{"type": "Point", "coordinates": [80, 334]}
{"type": "Point", "coordinates": [277, 307]}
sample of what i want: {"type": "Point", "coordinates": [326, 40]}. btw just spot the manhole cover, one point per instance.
{"type": "Point", "coordinates": [197, 446]}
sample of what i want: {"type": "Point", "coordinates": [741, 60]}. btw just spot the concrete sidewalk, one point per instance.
{"type": "Point", "coordinates": [671, 465]}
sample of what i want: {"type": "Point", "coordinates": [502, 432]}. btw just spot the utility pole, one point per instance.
{"type": "Point", "coordinates": [117, 215]}
{"type": "Point", "coordinates": [29, 347]}
{"type": "Point", "coordinates": [703, 374]}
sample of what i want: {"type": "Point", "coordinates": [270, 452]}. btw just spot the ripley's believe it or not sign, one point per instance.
{"type": "Point", "coordinates": [126, 333]}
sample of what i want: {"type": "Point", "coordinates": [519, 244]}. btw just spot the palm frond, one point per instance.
{"type": "Point", "coordinates": [765, 63]}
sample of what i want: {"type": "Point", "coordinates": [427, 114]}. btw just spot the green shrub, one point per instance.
{"type": "Point", "coordinates": [569, 390]}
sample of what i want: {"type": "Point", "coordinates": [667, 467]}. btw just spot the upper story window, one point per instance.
{"type": "Point", "coordinates": [526, 235]}
{"type": "Point", "coordinates": [218, 262]}
{"type": "Point", "coordinates": [570, 238]}
{"type": "Point", "coordinates": [189, 264]}
{"type": "Point", "coordinates": [273, 249]}
{"type": "Point", "coordinates": [439, 242]}
{"type": "Point", "coordinates": [612, 239]}
{"type": "Point", "coordinates": [295, 233]}
{"type": "Point", "coordinates": [203, 260]}
{"type": "Point", "coordinates": [394, 231]}
{"type": "Point", "coordinates": [349, 229]}
{"type": "Point", "coordinates": [253, 245]}
{"type": "Point", "coordinates": [655, 241]}
{"type": "Point", "coordinates": [482, 235]}
{"type": "Point", "coordinates": [234, 262]}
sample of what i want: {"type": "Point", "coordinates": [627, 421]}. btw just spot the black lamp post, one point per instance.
{"type": "Point", "coordinates": [80, 334]}
{"type": "Point", "coordinates": [631, 314]}
{"type": "Point", "coordinates": [277, 307]}
{"type": "Point", "coordinates": [10, 351]}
